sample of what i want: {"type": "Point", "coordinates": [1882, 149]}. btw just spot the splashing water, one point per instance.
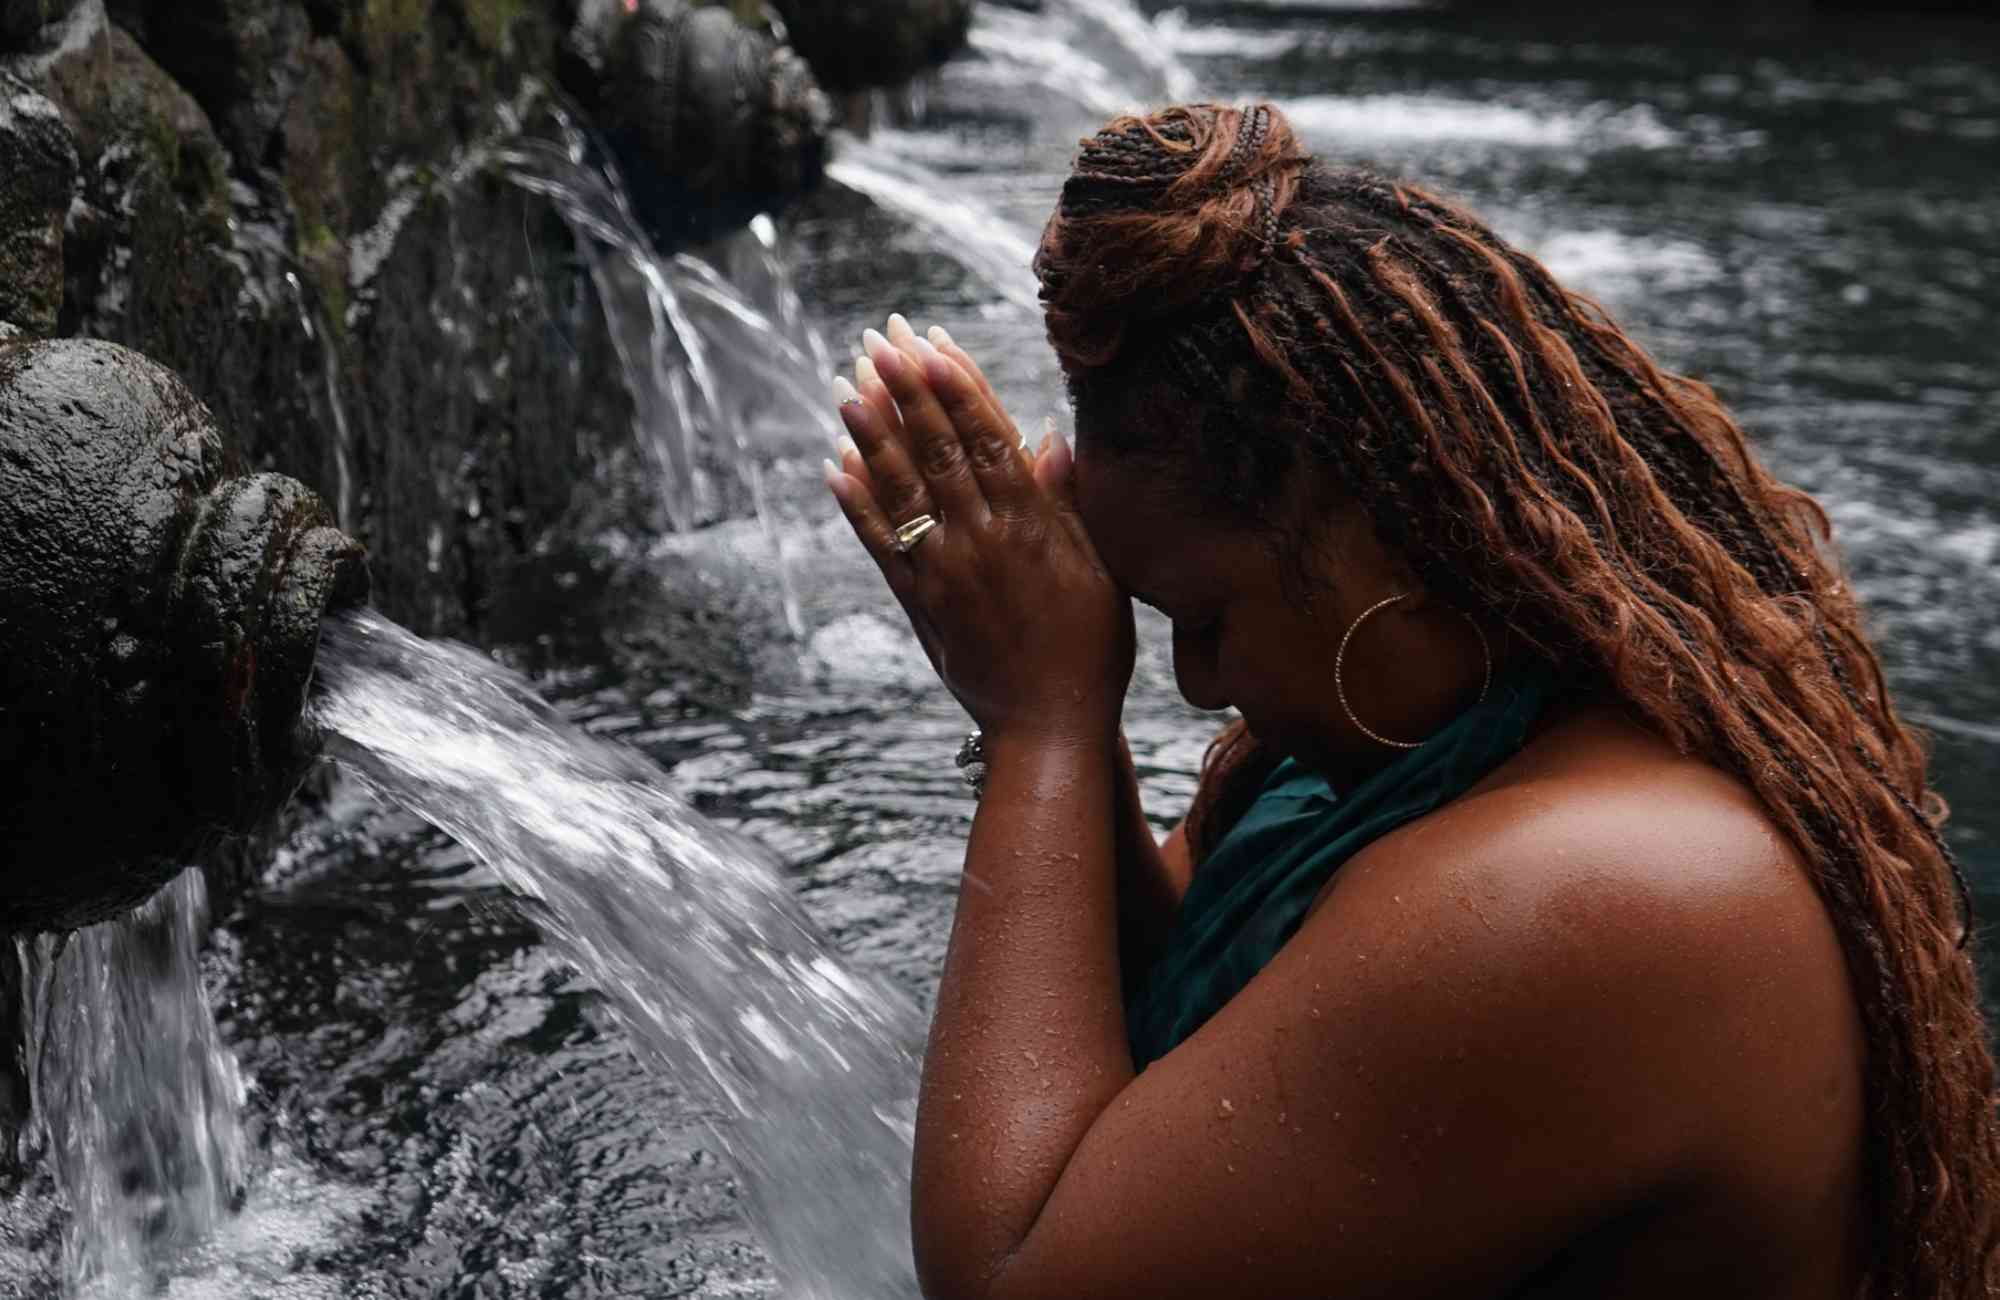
{"type": "Point", "coordinates": [980, 239]}
{"type": "Point", "coordinates": [710, 368]}
{"type": "Point", "coordinates": [1136, 40]}
{"type": "Point", "coordinates": [135, 1101]}
{"type": "Point", "coordinates": [690, 932]}
{"type": "Point", "coordinates": [1104, 55]}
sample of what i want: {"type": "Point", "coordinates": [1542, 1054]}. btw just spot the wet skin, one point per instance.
{"type": "Point", "coordinates": [1586, 1030]}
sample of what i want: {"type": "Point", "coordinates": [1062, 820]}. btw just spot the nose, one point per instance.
{"type": "Point", "coordinates": [1195, 672]}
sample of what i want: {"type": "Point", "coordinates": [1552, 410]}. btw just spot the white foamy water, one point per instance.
{"type": "Point", "coordinates": [690, 932]}
{"type": "Point", "coordinates": [1203, 40]}
{"type": "Point", "coordinates": [1365, 120]}
{"type": "Point", "coordinates": [1104, 55]}
{"type": "Point", "coordinates": [1611, 264]}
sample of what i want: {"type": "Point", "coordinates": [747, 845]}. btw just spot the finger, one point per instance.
{"type": "Point", "coordinates": [876, 393]}
{"type": "Point", "coordinates": [872, 526]}
{"type": "Point", "coordinates": [893, 481]}
{"type": "Point", "coordinates": [893, 451]}
{"type": "Point", "coordinates": [1055, 475]}
{"type": "Point", "coordinates": [848, 460]}
{"type": "Point", "coordinates": [992, 442]}
{"type": "Point", "coordinates": [929, 440]}
{"type": "Point", "coordinates": [942, 340]}
{"type": "Point", "coordinates": [905, 339]}
{"type": "Point", "coordinates": [965, 448]}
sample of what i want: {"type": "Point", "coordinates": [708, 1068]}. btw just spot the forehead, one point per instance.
{"type": "Point", "coordinates": [1149, 536]}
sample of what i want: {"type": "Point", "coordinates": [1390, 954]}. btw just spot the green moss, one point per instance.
{"type": "Point", "coordinates": [492, 23]}
{"type": "Point", "coordinates": [390, 25]}
{"type": "Point", "coordinates": [325, 260]}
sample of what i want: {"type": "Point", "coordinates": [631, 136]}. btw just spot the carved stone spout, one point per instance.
{"type": "Point", "coordinates": [158, 621]}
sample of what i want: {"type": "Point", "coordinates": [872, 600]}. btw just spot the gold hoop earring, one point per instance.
{"type": "Point", "coordinates": [1340, 661]}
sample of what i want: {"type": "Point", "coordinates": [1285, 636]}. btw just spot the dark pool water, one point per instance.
{"type": "Point", "coordinates": [1805, 217]}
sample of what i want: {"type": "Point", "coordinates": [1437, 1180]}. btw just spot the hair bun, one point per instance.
{"type": "Point", "coordinates": [1161, 214]}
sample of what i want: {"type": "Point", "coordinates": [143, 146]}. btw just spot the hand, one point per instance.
{"type": "Point", "coordinates": [1007, 594]}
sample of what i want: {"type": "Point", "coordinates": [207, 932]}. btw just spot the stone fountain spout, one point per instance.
{"type": "Point", "coordinates": [159, 617]}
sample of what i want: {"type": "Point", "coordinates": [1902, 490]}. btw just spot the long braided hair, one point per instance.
{"type": "Point", "coordinates": [1250, 317]}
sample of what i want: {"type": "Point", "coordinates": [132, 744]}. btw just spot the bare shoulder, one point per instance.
{"type": "Point", "coordinates": [1621, 904]}
{"type": "Point", "coordinates": [1591, 1011]}
{"type": "Point", "coordinates": [1600, 827]}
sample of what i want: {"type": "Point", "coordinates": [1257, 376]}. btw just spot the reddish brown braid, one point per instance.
{"type": "Point", "coordinates": [1537, 468]}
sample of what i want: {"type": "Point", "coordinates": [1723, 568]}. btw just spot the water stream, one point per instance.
{"type": "Point", "coordinates": [980, 239]}
{"type": "Point", "coordinates": [691, 932]}
{"type": "Point", "coordinates": [717, 378]}
{"type": "Point", "coordinates": [134, 1097]}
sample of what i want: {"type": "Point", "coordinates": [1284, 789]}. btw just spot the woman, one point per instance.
{"type": "Point", "coordinates": [1565, 916]}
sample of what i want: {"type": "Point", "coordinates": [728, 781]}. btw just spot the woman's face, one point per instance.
{"type": "Point", "coordinates": [1250, 634]}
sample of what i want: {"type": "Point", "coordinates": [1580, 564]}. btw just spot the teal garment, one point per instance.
{"type": "Point", "coordinates": [1251, 892]}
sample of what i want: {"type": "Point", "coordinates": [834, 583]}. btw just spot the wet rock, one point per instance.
{"type": "Point", "coordinates": [858, 45]}
{"type": "Point", "coordinates": [713, 121]}
{"type": "Point", "coordinates": [241, 59]}
{"type": "Point", "coordinates": [144, 243]}
{"type": "Point", "coordinates": [38, 163]}
{"type": "Point", "coordinates": [161, 618]}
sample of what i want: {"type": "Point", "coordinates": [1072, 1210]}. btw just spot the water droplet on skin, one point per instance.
{"type": "Point", "coordinates": [1227, 1107]}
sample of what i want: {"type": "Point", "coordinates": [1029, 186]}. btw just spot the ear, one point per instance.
{"type": "Point", "coordinates": [1346, 553]}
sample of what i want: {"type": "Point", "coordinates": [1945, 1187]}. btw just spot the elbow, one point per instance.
{"type": "Point", "coordinates": [953, 1263]}
{"type": "Point", "coordinates": [946, 1268]}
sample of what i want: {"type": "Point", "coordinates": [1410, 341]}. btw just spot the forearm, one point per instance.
{"type": "Point", "coordinates": [1028, 1045]}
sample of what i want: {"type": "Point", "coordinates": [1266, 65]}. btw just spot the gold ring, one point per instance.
{"type": "Point", "coordinates": [908, 535]}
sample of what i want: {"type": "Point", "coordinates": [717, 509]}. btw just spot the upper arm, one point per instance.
{"type": "Point", "coordinates": [1479, 1047]}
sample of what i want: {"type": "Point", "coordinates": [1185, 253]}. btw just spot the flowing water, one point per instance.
{"type": "Point", "coordinates": [714, 374]}
{"type": "Point", "coordinates": [446, 1100]}
{"type": "Point", "coordinates": [692, 932]}
{"type": "Point", "coordinates": [135, 1098]}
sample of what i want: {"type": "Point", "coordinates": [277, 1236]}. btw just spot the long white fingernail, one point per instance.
{"type": "Point", "coordinates": [899, 327]}
{"type": "Point", "coordinates": [844, 447]}
{"type": "Point", "coordinates": [864, 370]}
{"type": "Point", "coordinates": [938, 335]}
{"type": "Point", "coordinates": [844, 393]}
{"type": "Point", "coordinates": [831, 471]}
{"type": "Point", "coordinates": [889, 362]}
